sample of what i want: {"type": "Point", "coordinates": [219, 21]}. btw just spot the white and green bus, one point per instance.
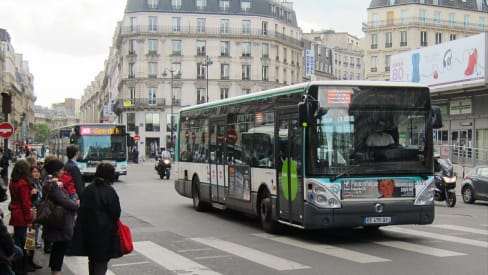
{"type": "Point", "coordinates": [297, 155]}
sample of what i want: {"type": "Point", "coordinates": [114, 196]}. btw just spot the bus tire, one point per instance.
{"type": "Point", "coordinates": [197, 203]}
{"type": "Point", "coordinates": [266, 215]}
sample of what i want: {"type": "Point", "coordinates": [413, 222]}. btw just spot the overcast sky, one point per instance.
{"type": "Point", "coordinates": [67, 41]}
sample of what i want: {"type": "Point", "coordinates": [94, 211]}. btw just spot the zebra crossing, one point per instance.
{"type": "Point", "coordinates": [198, 259]}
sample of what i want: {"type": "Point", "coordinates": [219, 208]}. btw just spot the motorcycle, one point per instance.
{"type": "Point", "coordinates": [445, 182]}
{"type": "Point", "coordinates": [163, 167]}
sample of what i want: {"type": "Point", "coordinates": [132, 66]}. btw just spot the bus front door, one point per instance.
{"type": "Point", "coordinates": [290, 176]}
{"type": "Point", "coordinates": [217, 160]}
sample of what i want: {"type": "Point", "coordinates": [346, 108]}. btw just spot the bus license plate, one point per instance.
{"type": "Point", "coordinates": [377, 220]}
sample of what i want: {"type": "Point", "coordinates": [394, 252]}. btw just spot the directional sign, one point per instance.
{"type": "Point", "coordinates": [6, 129]}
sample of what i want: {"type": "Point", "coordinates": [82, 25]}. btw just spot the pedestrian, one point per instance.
{"type": "Point", "coordinates": [72, 168]}
{"type": "Point", "coordinates": [7, 249]}
{"type": "Point", "coordinates": [96, 226]}
{"type": "Point", "coordinates": [36, 194]}
{"type": "Point", "coordinates": [31, 160]}
{"type": "Point", "coordinates": [60, 237]}
{"type": "Point", "coordinates": [44, 174]}
{"type": "Point", "coordinates": [21, 210]}
{"type": "Point", "coordinates": [4, 163]}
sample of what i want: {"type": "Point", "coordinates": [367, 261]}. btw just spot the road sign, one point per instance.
{"type": "Point", "coordinates": [6, 129]}
{"type": "Point", "coordinates": [137, 138]}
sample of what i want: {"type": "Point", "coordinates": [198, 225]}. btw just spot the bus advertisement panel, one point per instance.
{"type": "Point", "coordinates": [322, 154]}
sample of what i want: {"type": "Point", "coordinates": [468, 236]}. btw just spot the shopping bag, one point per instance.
{"type": "Point", "coordinates": [30, 240]}
{"type": "Point", "coordinates": [126, 245]}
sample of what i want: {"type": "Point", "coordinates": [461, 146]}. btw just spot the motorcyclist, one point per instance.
{"type": "Point", "coordinates": [165, 154]}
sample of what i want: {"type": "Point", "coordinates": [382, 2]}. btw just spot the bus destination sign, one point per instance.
{"type": "Point", "coordinates": [99, 131]}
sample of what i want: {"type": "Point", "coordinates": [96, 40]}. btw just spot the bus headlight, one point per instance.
{"type": "Point", "coordinates": [425, 194]}
{"type": "Point", "coordinates": [321, 196]}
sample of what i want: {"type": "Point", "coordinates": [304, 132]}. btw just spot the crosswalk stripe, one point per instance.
{"type": "Point", "coordinates": [79, 265]}
{"type": "Point", "coordinates": [252, 255]}
{"type": "Point", "coordinates": [461, 228]}
{"type": "Point", "coordinates": [436, 236]}
{"type": "Point", "coordinates": [422, 249]}
{"type": "Point", "coordinates": [171, 260]}
{"type": "Point", "coordinates": [329, 250]}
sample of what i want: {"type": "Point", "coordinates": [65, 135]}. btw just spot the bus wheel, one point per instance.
{"type": "Point", "coordinates": [197, 203]}
{"type": "Point", "coordinates": [266, 215]}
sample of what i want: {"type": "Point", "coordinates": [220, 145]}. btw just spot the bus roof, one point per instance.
{"type": "Point", "coordinates": [300, 87]}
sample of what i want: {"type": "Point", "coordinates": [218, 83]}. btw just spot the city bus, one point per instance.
{"type": "Point", "coordinates": [97, 142]}
{"type": "Point", "coordinates": [297, 155]}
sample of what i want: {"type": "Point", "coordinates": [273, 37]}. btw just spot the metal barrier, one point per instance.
{"type": "Point", "coordinates": [462, 155]}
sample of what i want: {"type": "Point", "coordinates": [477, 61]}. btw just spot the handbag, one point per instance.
{"type": "Point", "coordinates": [49, 214]}
{"type": "Point", "coordinates": [126, 245]}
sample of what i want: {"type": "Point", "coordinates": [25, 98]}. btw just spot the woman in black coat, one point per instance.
{"type": "Point", "coordinates": [96, 226]}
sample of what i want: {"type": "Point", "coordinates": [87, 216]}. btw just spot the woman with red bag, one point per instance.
{"type": "Point", "coordinates": [95, 233]}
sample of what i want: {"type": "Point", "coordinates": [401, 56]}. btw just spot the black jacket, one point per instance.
{"type": "Point", "coordinates": [95, 233]}
{"type": "Point", "coordinates": [6, 243]}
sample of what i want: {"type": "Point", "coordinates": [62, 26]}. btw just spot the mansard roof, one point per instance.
{"type": "Point", "coordinates": [471, 5]}
{"type": "Point", "coordinates": [260, 8]}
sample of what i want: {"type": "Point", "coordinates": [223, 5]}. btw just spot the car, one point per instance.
{"type": "Point", "coordinates": [475, 185]}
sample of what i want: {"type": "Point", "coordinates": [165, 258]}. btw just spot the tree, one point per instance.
{"type": "Point", "coordinates": [42, 133]}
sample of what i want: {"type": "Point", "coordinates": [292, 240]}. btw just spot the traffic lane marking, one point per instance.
{"type": "Point", "coordinates": [422, 249]}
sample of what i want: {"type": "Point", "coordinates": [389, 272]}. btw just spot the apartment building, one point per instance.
{"type": "Point", "coordinates": [396, 26]}
{"type": "Point", "coordinates": [173, 53]}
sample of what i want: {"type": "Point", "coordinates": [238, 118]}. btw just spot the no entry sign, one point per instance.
{"type": "Point", "coordinates": [6, 129]}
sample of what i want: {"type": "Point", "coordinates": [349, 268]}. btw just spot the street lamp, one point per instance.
{"type": "Point", "coordinates": [172, 71]}
{"type": "Point", "coordinates": [207, 63]}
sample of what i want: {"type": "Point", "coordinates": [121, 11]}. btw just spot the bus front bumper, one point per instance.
{"type": "Point", "coordinates": [354, 214]}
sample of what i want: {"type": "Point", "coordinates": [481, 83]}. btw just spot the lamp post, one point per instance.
{"type": "Point", "coordinates": [6, 109]}
{"type": "Point", "coordinates": [172, 71]}
{"type": "Point", "coordinates": [207, 63]}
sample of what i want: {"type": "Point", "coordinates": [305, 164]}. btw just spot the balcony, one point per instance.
{"type": "Point", "coordinates": [423, 22]}
{"type": "Point", "coordinates": [138, 104]}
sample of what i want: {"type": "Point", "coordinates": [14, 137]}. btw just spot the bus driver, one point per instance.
{"type": "Point", "coordinates": [380, 138]}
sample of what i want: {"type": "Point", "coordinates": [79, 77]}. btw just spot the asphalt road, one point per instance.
{"type": "Point", "coordinates": [171, 238]}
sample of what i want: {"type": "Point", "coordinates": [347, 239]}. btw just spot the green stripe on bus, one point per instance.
{"type": "Point", "coordinates": [293, 180]}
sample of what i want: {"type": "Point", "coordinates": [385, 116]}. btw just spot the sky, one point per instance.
{"type": "Point", "coordinates": [66, 42]}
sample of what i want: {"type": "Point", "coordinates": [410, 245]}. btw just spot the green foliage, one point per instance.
{"type": "Point", "coordinates": [42, 133]}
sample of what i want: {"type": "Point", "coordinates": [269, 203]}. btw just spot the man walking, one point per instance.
{"type": "Point", "coordinates": [72, 168]}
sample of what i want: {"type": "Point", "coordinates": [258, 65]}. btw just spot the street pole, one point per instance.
{"type": "Point", "coordinates": [6, 109]}
{"type": "Point", "coordinates": [172, 71]}
{"type": "Point", "coordinates": [207, 63]}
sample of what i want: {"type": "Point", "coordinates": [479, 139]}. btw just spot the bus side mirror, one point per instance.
{"type": "Point", "coordinates": [436, 117]}
{"type": "Point", "coordinates": [306, 112]}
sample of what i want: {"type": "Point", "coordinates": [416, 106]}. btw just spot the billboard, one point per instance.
{"type": "Point", "coordinates": [458, 62]}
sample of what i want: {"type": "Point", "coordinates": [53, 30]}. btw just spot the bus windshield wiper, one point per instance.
{"type": "Point", "coordinates": [346, 172]}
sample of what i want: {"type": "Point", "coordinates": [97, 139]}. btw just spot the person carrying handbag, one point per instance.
{"type": "Point", "coordinates": [60, 237]}
{"type": "Point", "coordinates": [95, 233]}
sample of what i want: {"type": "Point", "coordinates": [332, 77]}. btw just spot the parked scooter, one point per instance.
{"type": "Point", "coordinates": [445, 182]}
{"type": "Point", "coordinates": [163, 167]}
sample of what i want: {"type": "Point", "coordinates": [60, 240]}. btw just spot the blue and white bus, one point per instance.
{"type": "Point", "coordinates": [97, 142]}
{"type": "Point", "coordinates": [297, 155]}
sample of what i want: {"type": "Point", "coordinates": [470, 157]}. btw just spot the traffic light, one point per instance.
{"type": "Point", "coordinates": [72, 139]}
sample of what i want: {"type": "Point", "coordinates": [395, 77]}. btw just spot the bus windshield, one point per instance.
{"type": "Point", "coordinates": [102, 147]}
{"type": "Point", "coordinates": [374, 133]}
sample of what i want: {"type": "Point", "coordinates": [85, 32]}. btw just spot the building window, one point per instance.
{"type": "Point", "coordinates": [437, 17]}
{"type": "Point", "coordinates": [224, 71]}
{"type": "Point", "coordinates": [374, 67]}
{"type": "Point", "coordinates": [403, 39]}
{"type": "Point", "coordinates": [246, 91]}
{"type": "Point", "coordinates": [132, 46]}
{"type": "Point", "coordinates": [265, 28]}
{"type": "Point", "coordinates": [176, 24]}
{"type": "Point", "coordinates": [152, 70]}
{"type": "Point", "coordinates": [482, 24]}
{"type": "Point", "coordinates": [224, 93]}
{"type": "Point", "coordinates": [388, 38]}
{"type": "Point", "coordinates": [201, 4]}
{"type": "Point", "coordinates": [132, 94]}
{"type": "Point", "coordinates": [265, 73]}
{"type": "Point", "coordinates": [224, 25]}
{"type": "Point", "coordinates": [387, 63]}
{"type": "Point", "coordinates": [466, 21]}
{"type": "Point", "coordinates": [152, 45]}
{"type": "Point", "coordinates": [201, 47]}
{"type": "Point", "coordinates": [422, 16]}
{"type": "Point", "coordinates": [152, 4]}
{"type": "Point", "coordinates": [246, 49]}
{"type": "Point", "coordinates": [246, 72]}
{"type": "Point", "coordinates": [201, 22]}
{"type": "Point", "coordinates": [133, 24]}
{"type": "Point", "coordinates": [176, 68]}
{"type": "Point", "coordinates": [176, 47]}
{"type": "Point", "coordinates": [176, 4]}
{"type": "Point", "coordinates": [452, 37]}
{"type": "Point", "coordinates": [153, 24]}
{"type": "Point", "coordinates": [374, 41]}
{"type": "Point", "coordinates": [224, 48]}
{"type": "Point", "coordinates": [176, 96]}
{"type": "Point", "coordinates": [131, 122]}
{"type": "Point", "coordinates": [404, 17]}
{"type": "Point", "coordinates": [376, 20]}
{"type": "Point", "coordinates": [423, 38]}
{"type": "Point", "coordinates": [200, 71]}
{"type": "Point", "coordinates": [246, 5]}
{"type": "Point", "coordinates": [246, 26]}
{"type": "Point", "coordinates": [452, 20]}
{"type": "Point", "coordinates": [438, 38]}
{"type": "Point", "coordinates": [151, 96]}
{"type": "Point", "coordinates": [132, 70]}
{"type": "Point", "coordinates": [152, 122]}
{"type": "Point", "coordinates": [201, 96]}
{"type": "Point", "coordinates": [224, 5]}
{"type": "Point", "coordinates": [265, 48]}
